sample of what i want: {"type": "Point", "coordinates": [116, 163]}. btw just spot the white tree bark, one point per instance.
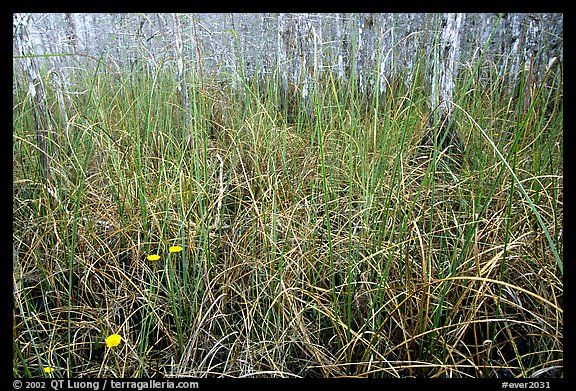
{"type": "Point", "coordinates": [42, 119]}
{"type": "Point", "coordinates": [446, 56]}
{"type": "Point", "coordinates": [180, 69]}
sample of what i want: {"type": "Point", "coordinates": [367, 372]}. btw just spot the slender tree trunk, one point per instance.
{"type": "Point", "coordinates": [531, 73]}
{"type": "Point", "coordinates": [61, 75]}
{"type": "Point", "coordinates": [281, 68]}
{"type": "Point", "coordinates": [445, 65]}
{"type": "Point", "coordinates": [43, 121]}
{"type": "Point", "coordinates": [442, 130]}
{"type": "Point", "coordinates": [180, 69]}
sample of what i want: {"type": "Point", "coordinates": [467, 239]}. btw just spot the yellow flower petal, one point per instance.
{"type": "Point", "coordinates": [175, 249]}
{"type": "Point", "coordinates": [113, 340]}
{"type": "Point", "coordinates": [153, 257]}
{"type": "Point", "coordinates": [48, 370]}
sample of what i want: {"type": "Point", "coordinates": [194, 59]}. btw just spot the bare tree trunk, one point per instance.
{"type": "Point", "coordinates": [62, 75]}
{"type": "Point", "coordinates": [442, 131]}
{"type": "Point", "coordinates": [71, 32]}
{"type": "Point", "coordinates": [180, 69]}
{"type": "Point", "coordinates": [42, 119]}
{"type": "Point", "coordinates": [530, 48]}
{"type": "Point", "coordinates": [281, 68]}
{"type": "Point", "coordinates": [445, 65]}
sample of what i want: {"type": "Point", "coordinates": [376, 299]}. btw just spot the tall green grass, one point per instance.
{"type": "Point", "coordinates": [315, 242]}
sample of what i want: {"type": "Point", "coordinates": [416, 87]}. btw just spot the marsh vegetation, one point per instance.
{"type": "Point", "coordinates": [316, 240]}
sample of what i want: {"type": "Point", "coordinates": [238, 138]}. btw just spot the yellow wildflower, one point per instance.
{"type": "Point", "coordinates": [153, 257]}
{"type": "Point", "coordinates": [113, 340]}
{"type": "Point", "coordinates": [175, 249]}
